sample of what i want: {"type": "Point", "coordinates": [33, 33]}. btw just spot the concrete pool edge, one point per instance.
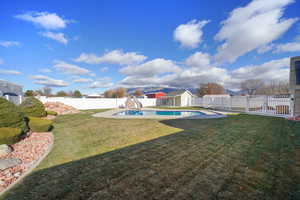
{"type": "Point", "coordinates": [111, 114]}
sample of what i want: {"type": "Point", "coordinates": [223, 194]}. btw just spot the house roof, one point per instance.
{"type": "Point", "coordinates": [154, 93]}
{"type": "Point", "coordinates": [10, 88]}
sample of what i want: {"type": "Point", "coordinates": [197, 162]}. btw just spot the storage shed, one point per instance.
{"type": "Point", "coordinates": [180, 98]}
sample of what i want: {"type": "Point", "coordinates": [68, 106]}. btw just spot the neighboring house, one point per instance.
{"type": "Point", "coordinates": [156, 95]}
{"type": "Point", "coordinates": [95, 95]}
{"type": "Point", "coordinates": [179, 98]}
{"type": "Point", "coordinates": [11, 91]}
{"type": "Point", "coordinates": [142, 97]}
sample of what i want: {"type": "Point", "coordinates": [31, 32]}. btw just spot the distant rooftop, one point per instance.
{"type": "Point", "coordinates": [10, 88]}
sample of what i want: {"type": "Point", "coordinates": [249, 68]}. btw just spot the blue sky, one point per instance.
{"type": "Point", "coordinates": [97, 45]}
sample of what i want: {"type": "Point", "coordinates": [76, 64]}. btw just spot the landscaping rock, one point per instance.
{"type": "Point", "coordinates": [60, 108]}
{"type": "Point", "coordinates": [27, 152]}
{"type": "Point", "coordinates": [5, 149]}
{"type": "Point", "coordinates": [9, 162]}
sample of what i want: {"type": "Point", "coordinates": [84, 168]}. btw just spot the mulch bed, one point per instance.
{"type": "Point", "coordinates": [29, 150]}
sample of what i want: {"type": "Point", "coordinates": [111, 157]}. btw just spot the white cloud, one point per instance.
{"type": "Point", "coordinates": [251, 27]}
{"type": "Point", "coordinates": [50, 21]}
{"type": "Point", "coordinates": [59, 37]}
{"type": "Point", "coordinates": [198, 60]}
{"type": "Point", "coordinates": [151, 68]}
{"type": "Point", "coordinates": [45, 70]}
{"type": "Point", "coordinates": [113, 57]}
{"type": "Point", "coordinates": [166, 73]}
{"type": "Point", "coordinates": [200, 70]}
{"type": "Point", "coordinates": [104, 82]}
{"type": "Point", "coordinates": [190, 34]}
{"type": "Point", "coordinates": [104, 69]}
{"type": "Point", "coordinates": [185, 79]}
{"type": "Point", "coordinates": [1, 61]}
{"type": "Point", "coordinates": [9, 43]}
{"type": "Point", "coordinates": [287, 47]}
{"type": "Point", "coordinates": [265, 48]}
{"type": "Point", "coordinates": [82, 80]}
{"type": "Point", "coordinates": [71, 69]}
{"type": "Point", "coordinates": [47, 81]}
{"type": "Point", "coordinates": [272, 70]}
{"type": "Point", "coordinates": [9, 72]}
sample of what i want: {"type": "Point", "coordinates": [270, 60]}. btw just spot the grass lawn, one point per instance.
{"type": "Point", "coordinates": [239, 157]}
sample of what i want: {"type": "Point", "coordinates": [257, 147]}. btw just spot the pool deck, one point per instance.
{"type": "Point", "coordinates": [110, 114]}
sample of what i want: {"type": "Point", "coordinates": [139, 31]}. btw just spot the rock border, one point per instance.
{"type": "Point", "coordinates": [33, 165]}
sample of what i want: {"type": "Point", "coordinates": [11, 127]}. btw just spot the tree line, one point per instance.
{"type": "Point", "coordinates": [47, 91]}
{"type": "Point", "coordinates": [247, 87]}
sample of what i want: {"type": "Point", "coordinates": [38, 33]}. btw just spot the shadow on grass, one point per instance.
{"type": "Point", "coordinates": [204, 161]}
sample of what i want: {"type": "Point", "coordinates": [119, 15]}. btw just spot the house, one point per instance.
{"type": "Point", "coordinates": [156, 95]}
{"type": "Point", "coordinates": [11, 91]}
{"type": "Point", "coordinates": [95, 95]}
{"type": "Point", "coordinates": [180, 98]}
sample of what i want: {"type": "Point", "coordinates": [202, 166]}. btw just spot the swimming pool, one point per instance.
{"type": "Point", "coordinates": [159, 113]}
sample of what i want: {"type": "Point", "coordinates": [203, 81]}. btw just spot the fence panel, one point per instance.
{"type": "Point", "coordinates": [271, 105]}
{"type": "Point", "coordinates": [239, 103]}
{"type": "Point", "coordinates": [197, 101]}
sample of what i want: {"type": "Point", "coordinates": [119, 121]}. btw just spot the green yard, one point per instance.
{"type": "Point", "coordinates": [239, 157]}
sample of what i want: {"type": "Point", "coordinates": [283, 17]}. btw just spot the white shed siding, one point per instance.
{"type": "Point", "coordinates": [186, 99]}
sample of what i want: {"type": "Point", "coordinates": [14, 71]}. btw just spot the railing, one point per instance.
{"type": "Point", "coordinates": [270, 105]}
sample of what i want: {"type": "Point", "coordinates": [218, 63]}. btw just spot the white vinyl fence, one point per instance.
{"type": "Point", "coordinates": [270, 105]}
{"type": "Point", "coordinates": [95, 103]}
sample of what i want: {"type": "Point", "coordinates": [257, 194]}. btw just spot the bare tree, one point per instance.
{"type": "Point", "coordinates": [120, 92]}
{"type": "Point", "coordinates": [211, 88]}
{"type": "Point", "coordinates": [138, 93]}
{"type": "Point", "coordinates": [251, 86]}
{"type": "Point", "coordinates": [116, 93]}
{"type": "Point", "coordinates": [46, 91]}
{"type": "Point", "coordinates": [77, 94]}
{"type": "Point", "coordinates": [109, 94]}
{"type": "Point", "coordinates": [61, 93]}
{"type": "Point", "coordinates": [274, 87]}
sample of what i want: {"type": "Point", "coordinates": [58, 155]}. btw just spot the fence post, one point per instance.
{"type": "Point", "coordinates": [266, 101]}
{"type": "Point", "coordinates": [7, 97]}
{"type": "Point", "coordinates": [247, 103]}
{"type": "Point", "coordinates": [292, 106]}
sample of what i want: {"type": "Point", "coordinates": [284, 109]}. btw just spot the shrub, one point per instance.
{"type": "Point", "coordinates": [32, 107]}
{"type": "Point", "coordinates": [12, 116]}
{"type": "Point", "coordinates": [40, 125]}
{"type": "Point", "coordinates": [10, 135]}
{"type": "Point", "coordinates": [51, 112]}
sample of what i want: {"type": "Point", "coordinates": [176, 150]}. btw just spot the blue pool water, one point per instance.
{"type": "Point", "coordinates": [159, 112]}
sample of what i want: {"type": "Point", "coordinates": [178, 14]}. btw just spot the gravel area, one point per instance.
{"type": "Point", "coordinates": [60, 108]}
{"type": "Point", "coordinates": [29, 150]}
